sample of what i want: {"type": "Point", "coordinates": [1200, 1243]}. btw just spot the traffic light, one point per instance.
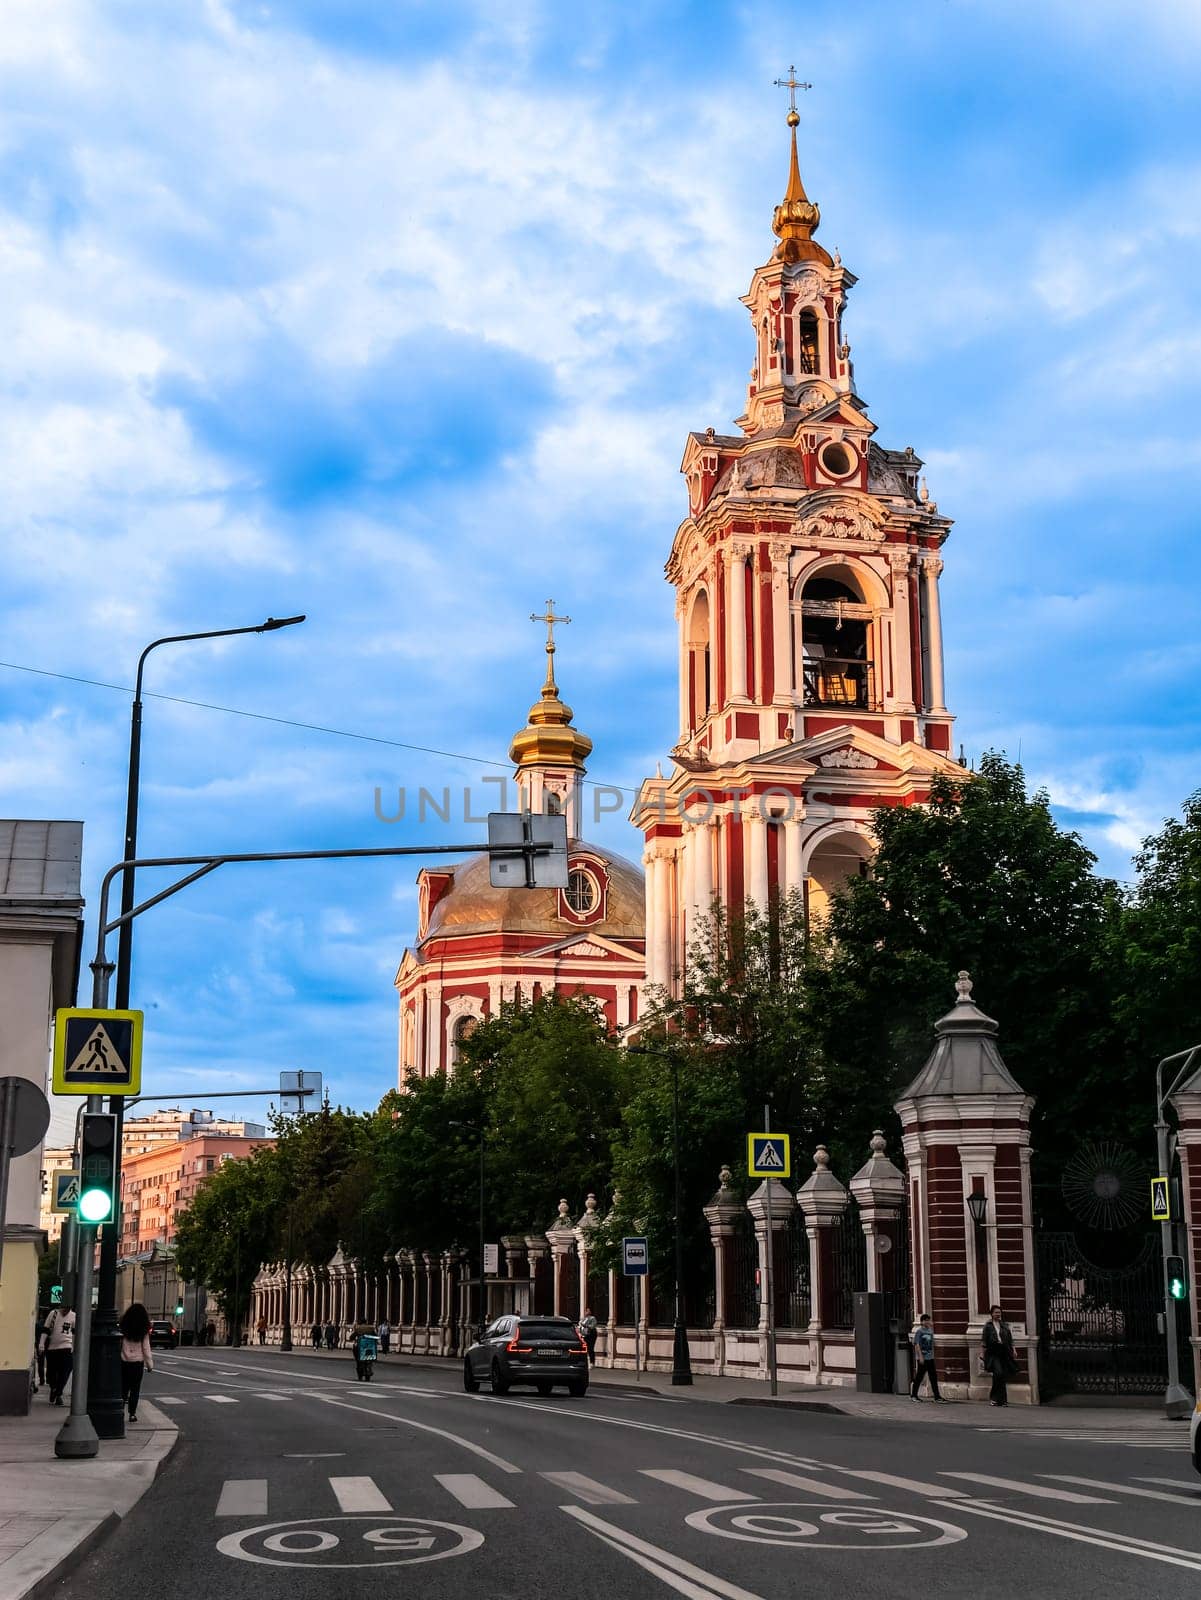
{"type": "Point", "coordinates": [1177, 1282]}
{"type": "Point", "coordinates": [179, 1308]}
{"type": "Point", "coordinates": [97, 1166]}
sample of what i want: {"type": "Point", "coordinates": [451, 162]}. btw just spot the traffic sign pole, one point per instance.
{"type": "Point", "coordinates": [77, 1439]}
{"type": "Point", "coordinates": [769, 1253]}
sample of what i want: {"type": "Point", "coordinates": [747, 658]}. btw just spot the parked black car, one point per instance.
{"type": "Point", "coordinates": [163, 1335]}
{"type": "Point", "coordinates": [542, 1351]}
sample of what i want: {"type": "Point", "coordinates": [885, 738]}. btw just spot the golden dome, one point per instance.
{"type": "Point", "coordinates": [796, 218]}
{"type": "Point", "coordinates": [548, 738]}
{"type": "Point", "coordinates": [472, 906]}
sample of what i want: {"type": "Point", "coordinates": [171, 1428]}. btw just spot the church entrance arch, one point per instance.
{"type": "Point", "coordinates": [834, 856]}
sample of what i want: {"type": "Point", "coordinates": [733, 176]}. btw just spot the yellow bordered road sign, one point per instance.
{"type": "Point", "coordinates": [768, 1155]}
{"type": "Point", "coordinates": [97, 1052]}
{"type": "Point", "coordinates": [64, 1189]}
{"type": "Point", "coordinates": [1161, 1200]}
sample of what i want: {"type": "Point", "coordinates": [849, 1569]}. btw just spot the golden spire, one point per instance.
{"type": "Point", "coordinates": [796, 217]}
{"type": "Point", "coordinates": [548, 739]}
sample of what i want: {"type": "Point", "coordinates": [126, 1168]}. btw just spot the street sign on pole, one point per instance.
{"type": "Point", "coordinates": [1161, 1200]}
{"type": "Point", "coordinates": [64, 1189]}
{"type": "Point", "coordinates": [299, 1092]}
{"type": "Point", "coordinates": [491, 1260]}
{"type": "Point", "coordinates": [97, 1051]}
{"type": "Point", "coordinates": [634, 1260]}
{"type": "Point", "coordinates": [527, 851]}
{"type": "Point", "coordinates": [768, 1155]}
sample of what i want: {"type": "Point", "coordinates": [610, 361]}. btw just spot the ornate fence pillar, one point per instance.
{"type": "Point", "coordinates": [541, 1289]}
{"type": "Point", "coordinates": [407, 1298]}
{"type": "Point", "coordinates": [824, 1201]}
{"type": "Point", "coordinates": [879, 1188]}
{"type": "Point", "coordinates": [967, 1133]}
{"type": "Point", "coordinates": [781, 1206]}
{"type": "Point", "coordinates": [1187, 1102]}
{"type": "Point", "coordinates": [584, 1228]}
{"type": "Point", "coordinates": [561, 1238]}
{"type": "Point", "coordinates": [722, 1214]}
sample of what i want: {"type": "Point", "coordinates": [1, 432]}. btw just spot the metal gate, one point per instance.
{"type": "Point", "coordinates": [1099, 1327]}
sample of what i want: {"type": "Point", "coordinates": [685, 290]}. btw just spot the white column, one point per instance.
{"type": "Point", "coordinates": [901, 633]}
{"type": "Point", "coordinates": [419, 1013]}
{"type": "Point", "coordinates": [736, 619]}
{"type": "Point", "coordinates": [702, 876]}
{"type": "Point", "coordinates": [780, 623]}
{"type": "Point", "coordinates": [756, 835]}
{"type": "Point", "coordinates": [652, 913]}
{"type": "Point", "coordinates": [931, 570]}
{"type": "Point", "coordinates": [685, 665]}
{"type": "Point", "coordinates": [687, 861]}
{"type": "Point", "coordinates": [794, 870]}
{"type": "Point", "coordinates": [663, 925]}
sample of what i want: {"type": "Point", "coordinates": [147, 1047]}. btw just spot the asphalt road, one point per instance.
{"type": "Point", "coordinates": [292, 1479]}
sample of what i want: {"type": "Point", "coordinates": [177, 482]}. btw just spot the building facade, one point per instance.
{"type": "Point", "coordinates": [810, 638]}
{"type": "Point", "coordinates": [479, 948]}
{"type": "Point", "coordinates": [159, 1182]}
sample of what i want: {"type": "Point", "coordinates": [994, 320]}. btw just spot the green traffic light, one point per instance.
{"type": "Point", "coordinates": [1176, 1288]}
{"type": "Point", "coordinates": [95, 1205]}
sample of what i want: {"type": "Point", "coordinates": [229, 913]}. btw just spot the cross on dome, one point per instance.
{"type": "Point", "coordinates": [549, 688]}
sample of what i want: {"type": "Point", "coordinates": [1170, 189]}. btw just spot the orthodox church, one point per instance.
{"type": "Point", "coordinates": [810, 690]}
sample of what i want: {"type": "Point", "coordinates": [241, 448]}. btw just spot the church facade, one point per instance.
{"type": "Point", "coordinates": [810, 640]}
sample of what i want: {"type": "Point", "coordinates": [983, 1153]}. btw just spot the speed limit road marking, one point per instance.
{"type": "Point", "coordinates": [793, 1525]}
{"type": "Point", "coordinates": [338, 1542]}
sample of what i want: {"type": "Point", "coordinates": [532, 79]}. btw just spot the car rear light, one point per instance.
{"type": "Point", "coordinates": [516, 1345]}
{"type": "Point", "coordinates": [577, 1350]}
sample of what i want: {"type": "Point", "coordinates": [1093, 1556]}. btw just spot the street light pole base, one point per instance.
{"type": "Point", "coordinates": [681, 1359]}
{"type": "Point", "coordinates": [76, 1440]}
{"type": "Point", "coordinates": [1177, 1403]}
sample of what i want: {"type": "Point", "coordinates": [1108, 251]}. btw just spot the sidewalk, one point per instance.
{"type": "Point", "coordinates": [52, 1511]}
{"type": "Point", "coordinates": [1137, 1417]}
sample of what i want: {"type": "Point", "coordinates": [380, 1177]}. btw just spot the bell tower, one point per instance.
{"type": "Point", "coordinates": [549, 753]}
{"type": "Point", "coordinates": [810, 637]}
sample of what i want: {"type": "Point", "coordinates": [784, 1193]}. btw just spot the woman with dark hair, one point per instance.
{"type": "Point", "coordinates": [136, 1357]}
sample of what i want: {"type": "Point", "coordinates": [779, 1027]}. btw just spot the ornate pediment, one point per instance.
{"type": "Point", "coordinates": [585, 947]}
{"type": "Point", "coordinates": [838, 518]}
{"type": "Point", "coordinates": [848, 756]}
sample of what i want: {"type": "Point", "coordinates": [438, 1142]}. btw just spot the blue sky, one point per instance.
{"type": "Point", "coordinates": [397, 314]}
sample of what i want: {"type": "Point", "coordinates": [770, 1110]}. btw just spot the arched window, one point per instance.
{"type": "Point", "coordinates": [836, 650]}
{"type": "Point", "coordinates": [553, 804]}
{"type": "Point", "coordinates": [807, 343]}
{"type": "Point", "coordinates": [464, 1027]}
{"type": "Point", "coordinates": [582, 892]}
{"type": "Point", "coordinates": [700, 689]}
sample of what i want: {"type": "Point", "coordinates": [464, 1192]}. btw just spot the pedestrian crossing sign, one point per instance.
{"type": "Point", "coordinates": [1161, 1200]}
{"type": "Point", "coordinates": [65, 1196]}
{"type": "Point", "coordinates": [97, 1052]}
{"type": "Point", "coordinates": [768, 1155]}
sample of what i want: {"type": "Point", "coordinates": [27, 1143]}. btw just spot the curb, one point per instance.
{"type": "Point", "coordinates": [822, 1406]}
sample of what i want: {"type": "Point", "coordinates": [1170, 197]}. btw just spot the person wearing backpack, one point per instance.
{"type": "Point", "coordinates": [58, 1341]}
{"type": "Point", "coordinates": [136, 1356]}
{"type": "Point", "coordinates": [588, 1331]}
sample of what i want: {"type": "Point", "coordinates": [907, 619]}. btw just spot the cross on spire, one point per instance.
{"type": "Point", "coordinates": [792, 83]}
{"type": "Point", "coordinates": [551, 620]}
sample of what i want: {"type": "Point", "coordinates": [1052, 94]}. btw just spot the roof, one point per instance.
{"type": "Point", "coordinates": [965, 1059]}
{"type": "Point", "coordinates": [40, 860]}
{"type": "Point", "coordinates": [472, 906]}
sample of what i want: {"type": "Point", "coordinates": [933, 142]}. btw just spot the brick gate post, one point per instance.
{"type": "Point", "coordinates": [966, 1128]}
{"type": "Point", "coordinates": [1187, 1102]}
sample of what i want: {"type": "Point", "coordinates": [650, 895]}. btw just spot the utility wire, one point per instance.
{"type": "Point", "coordinates": [285, 722]}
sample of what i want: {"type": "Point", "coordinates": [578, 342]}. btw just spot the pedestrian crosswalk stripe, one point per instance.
{"type": "Point", "coordinates": [472, 1492]}
{"type": "Point", "coordinates": [169, 1400]}
{"type": "Point", "coordinates": [221, 1399]}
{"type": "Point", "coordinates": [938, 1491]}
{"type": "Point", "coordinates": [1190, 1488]}
{"type": "Point", "coordinates": [358, 1494]}
{"type": "Point", "coordinates": [794, 1480]}
{"type": "Point", "coordinates": [1125, 1488]}
{"type": "Point", "coordinates": [271, 1394]}
{"type": "Point", "coordinates": [691, 1484]}
{"type": "Point", "coordinates": [588, 1489]}
{"type": "Point", "coordinates": [243, 1497]}
{"type": "Point", "coordinates": [1040, 1491]}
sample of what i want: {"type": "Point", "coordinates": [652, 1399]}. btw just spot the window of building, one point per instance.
{"type": "Point", "coordinates": [583, 891]}
{"type": "Point", "coordinates": [807, 351]}
{"type": "Point", "coordinates": [464, 1027]}
{"type": "Point", "coordinates": [210, 1164]}
{"type": "Point", "coordinates": [836, 632]}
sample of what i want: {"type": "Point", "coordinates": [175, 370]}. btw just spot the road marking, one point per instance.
{"type": "Point", "coordinates": [794, 1480]}
{"type": "Point", "coordinates": [243, 1497]}
{"type": "Point", "coordinates": [692, 1582]}
{"type": "Point", "coordinates": [314, 1455]}
{"type": "Point", "coordinates": [358, 1494]}
{"type": "Point", "coordinates": [272, 1394]}
{"type": "Point", "coordinates": [424, 1427]}
{"type": "Point", "coordinates": [589, 1490]}
{"type": "Point", "coordinates": [1125, 1543]}
{"type": "Point", "coordinates": [936, 1491]}
{"type": "Point", "coordinates": [168, 1400]}
{"type": "Point", "coordinates": [473, 1492]}
{"type": "Point", "coordinates": [1039, 1490]}
{"type": "Point", "coordinates": [691, 1484]}
{"type": "Point", "coordinates": [1176, 1483]}
{"type": "Point", "coordinates": [1123, 1488]}
{"type": "Point", "coordinates": [221, 1399]}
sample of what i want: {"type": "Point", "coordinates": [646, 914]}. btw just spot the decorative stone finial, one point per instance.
{"type": "Point", "coordinates": [923, 493]}
{"type": "Point", "coordinates": [590, 1205]}
{"type": "Point", "coordinates": [879, 1144]}
{"type": "Point", "coordinates": [564, 1211]}
{"type": "Point", "coordinates": [821, 1158]}
{"type": "Point", "coordinates": [963, 986]}
{"type": "Point", "coordinates": [725, 1178]}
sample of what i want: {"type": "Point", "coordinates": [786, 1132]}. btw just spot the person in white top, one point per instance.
{"type": "Point", "coordinates": [136, 1357]}
{"type": "Point", "coordinates": [58, 1341]}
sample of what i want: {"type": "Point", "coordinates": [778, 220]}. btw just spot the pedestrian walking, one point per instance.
{"type": "Point", "coordinates": [385, 1333]}
{"type": "Point", "coordinates": [315, 1336]}
{"type": "Point", "coordinates": [136, 1356]}
{"type": "Point", "coordinates": [331, 1336]}
{"type": "Point", "coordinates": [923, 1358]}
{"type": "Point", "coordinates": [262, 1330]}
{"type": "Point", "coordinates": [588, 1332]}
{"type": "Point", "coordinates": [39, 1353]}
{"type": "Point", "coordinates": [997, 1355]}
{"type": "Point", "coordinates": [210, 1333]}
{"type": "Point", "coordinates": [58, 1341]}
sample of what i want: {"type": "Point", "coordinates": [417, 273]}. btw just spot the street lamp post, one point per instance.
{"type": "Point", "coordinates": [681, 1360]}
{"type": "Point", "coordinates": [105, 1407]}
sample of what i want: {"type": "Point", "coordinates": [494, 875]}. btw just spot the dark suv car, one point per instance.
{"type": "Point", "coordinates": [163, 1335]}
{"type": "Point", "coordinates": [541, 1351]}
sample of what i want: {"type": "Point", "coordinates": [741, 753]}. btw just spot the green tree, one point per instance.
{"type": "Point", "coordinates": [231, 1226]}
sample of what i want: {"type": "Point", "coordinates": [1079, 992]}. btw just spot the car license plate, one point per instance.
{"type": "Point", "coordinates": [552, 1352]}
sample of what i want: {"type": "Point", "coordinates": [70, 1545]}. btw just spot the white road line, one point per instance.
{"type": "Point", "coordinates": [1124, 1543]}
{"type": "Point", "coordinates": [243, 1497]}
{"type": "Point", "coordinates": [272, 1394]}
{"type": "Point", "coordinates": [358, 1494]}
{"type": "Point", "coordinates": [587, 1489]}
{"type": "Point", "coordinates": [691, 1484]}
{"type": "Point", "coordinates": [1123, 1488]}
{"type": "Point", "coordinates": [794, 1480]}
{"type": "Point", "coordinates": [692, 1582]}
{"type": "Point", "coordinates": [1039, 1490]}
{"type": "Point", "coordinates": [424, 1427]}
{"type": "Point", "coordinates": [936, 1491]}
{"type": "Point", "coordinates": [473, 1492]}
{"type": "Point", "coordinates": [1177, 1483]}
{"type": "Point", "coordinates": [221, 1399]}
{"type": "Point", "coordinates": [168, 1400]}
